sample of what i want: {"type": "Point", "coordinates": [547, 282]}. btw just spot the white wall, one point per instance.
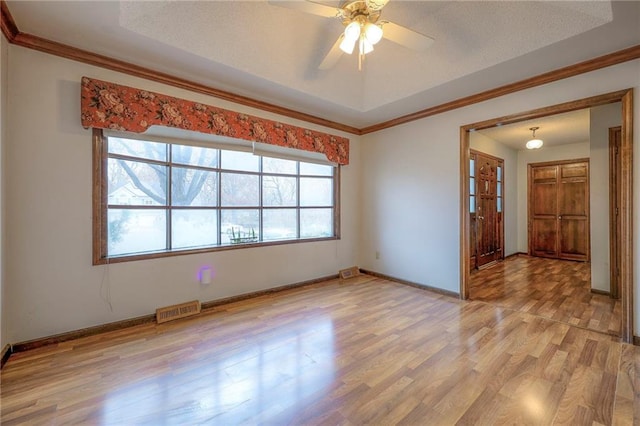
{"type": "Point", "coordinates": [485, 144]}
{"type": "Point", "coordinates": [525, 157]}
{"type": "Point", "coordinates": [52, 286]}
{"type": "Point", "coordinates": [601, 119]}
{"type": "Point", "coordinates": [411, 189]}
{"type": "Point", "coordinates": [4, 47]}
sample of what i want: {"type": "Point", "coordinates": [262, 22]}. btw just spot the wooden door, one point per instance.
{"type": "Point", "coordinates": [559, 210]}
{"type": "Point", "coordinates": [488, 209]}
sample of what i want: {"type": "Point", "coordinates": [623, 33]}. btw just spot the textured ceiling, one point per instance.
{"type": "Point", "coordinates": [271, 53]}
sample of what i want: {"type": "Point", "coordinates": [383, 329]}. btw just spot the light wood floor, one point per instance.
{"type": "Point", "coordinates": [554, 289]}
{"type": "Point", "coordinates": [366, 351]}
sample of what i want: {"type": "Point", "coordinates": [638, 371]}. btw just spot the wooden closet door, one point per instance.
{"type": "Point", "coordinates": [543, 208]}
{"type": "Point", "coordinates": [559, 210]}
{"type": "Point", "coordinates": [573, 211]}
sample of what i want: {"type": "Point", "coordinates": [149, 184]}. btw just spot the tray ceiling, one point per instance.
{"type": "Point", "coordinates": [271, 53]}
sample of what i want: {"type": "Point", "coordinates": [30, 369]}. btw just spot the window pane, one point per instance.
{"type": "Point", "coordinates": [140, 149]}
{"type": "Point", "coordinates": [279, 191]}
{"type": "Point", "coordinates": [134, 183]}
{"type": "Point", "coordinates": [499, 173]}
{"type": "Point", "coordinates": [193, 187]}
{"type": "Point", "coordinates": [279, 224]}
{"type": "Point", "coordinates": [316, 192]}
{"type": "Point", "coordinates": [472, 167]}
{"type": "Point", "coordinates": [240, 190]}
{"type": "Point", "coordinates": [315, 169]}
{"type": "Point", "coordinates": [316, 223]}
{"type": "Point", "coordinates": [194, 228]}
{"type": "Point", "coordinates": [499, 204]}
{"type": "Point", "coordinates": [472, 186]}
{"type": "Point", "coordinates": [136, 231]}
{"type": "Point", "coordinates": [276, 165]}
{"type": "Point", "coordinates": [240, 226]}
{"type": "Point", "coordinates": [499, 190]}
{"type": "Point", "coordinates": [472, 204]}
{"type": "Point", "coordinates": [238, 160]}
{"type": "Point", "coordinates": [194, 155]}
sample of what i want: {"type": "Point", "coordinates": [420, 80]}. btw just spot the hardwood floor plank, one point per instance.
{"type": "Point", "coordinates": [367, 351]}
{"type": "Point", "coordinates": [554, 289]}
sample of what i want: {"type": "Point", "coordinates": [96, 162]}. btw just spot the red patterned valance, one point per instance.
{"type": "Point", "coordinates": [107, 105]}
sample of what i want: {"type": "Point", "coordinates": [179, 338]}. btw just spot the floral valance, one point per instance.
{"type": "Point", "coordinates": [107, 105]}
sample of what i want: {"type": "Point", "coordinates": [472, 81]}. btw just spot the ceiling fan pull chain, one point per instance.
{"type": "Point", "coordinates": [360, 52]}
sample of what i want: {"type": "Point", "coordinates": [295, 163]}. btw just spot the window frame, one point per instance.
{"type": "Point", "coordinates": [100, 208]}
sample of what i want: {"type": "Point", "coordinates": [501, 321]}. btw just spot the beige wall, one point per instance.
{"type": "Point", "coordinates": [52, 285]}
{"type": "Point", "coordinates": [400, 197]}
{"type": "Point", "coordinates": [411, 185]}
{"type": "Point", "coordinates": [601, 119]}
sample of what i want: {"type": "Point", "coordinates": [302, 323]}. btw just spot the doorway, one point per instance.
{"type": "Point", "coordinates": [624, 241]}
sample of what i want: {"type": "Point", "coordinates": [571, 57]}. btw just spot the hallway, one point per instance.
{"type": "Point", "coordinates": [553, 289]}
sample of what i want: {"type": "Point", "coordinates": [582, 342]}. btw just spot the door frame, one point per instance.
{"type": "Point", "coordinates": [614, 210]}
{"type": "Point", "coordinates": [625, 191]}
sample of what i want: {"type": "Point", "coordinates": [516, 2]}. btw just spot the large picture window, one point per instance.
{"type": "Point", "coordinates": [156, 198]}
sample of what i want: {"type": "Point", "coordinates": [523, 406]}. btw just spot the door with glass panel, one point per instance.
{"type": "Point", "coordinates": [486, 209]}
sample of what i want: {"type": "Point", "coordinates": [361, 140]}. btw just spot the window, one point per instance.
{"type": "Point", "coordinates": [472, 184]}
{"type": "Point", "coordinates": [156, 198]}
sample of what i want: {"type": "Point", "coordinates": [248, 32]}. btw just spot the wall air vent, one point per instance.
{"type": "Point", "coordinates": [170, 313]}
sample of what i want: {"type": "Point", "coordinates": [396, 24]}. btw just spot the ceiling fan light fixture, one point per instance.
{"type": "Point", "coordinates": [352, 31]}
{"type": "Point", "coordinates": [534, 143]}
{"type": "Point", "coordinates": [347, 45]}
{"type": "Point", "coordinates": [372, 32]}
{"type": "Point", "coordinates": [365, 45]}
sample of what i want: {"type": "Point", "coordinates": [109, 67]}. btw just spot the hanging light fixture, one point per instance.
{"type": "Point", "coordinates": [534, 143]}
{"type": "Point", "coordinates": [365, 33]}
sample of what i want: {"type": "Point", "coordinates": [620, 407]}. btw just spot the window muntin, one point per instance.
{"type": "Point", "coordinates": [167, 198]}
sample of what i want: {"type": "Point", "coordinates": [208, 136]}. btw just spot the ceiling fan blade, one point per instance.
{"type": "Point", "coordinates": [333, 56]}
{"type": "Point", "coordinates": [376, 4]}
{"type": "Point", "coordinates": [406, 37]}
{"type": "Point", "coordinates": [308, 7]}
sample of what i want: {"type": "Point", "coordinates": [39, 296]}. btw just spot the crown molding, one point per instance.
{"type": "Point", "coordinates": [604, 61]}
{"type": "Point", "coordinates": [7, 24]}
{"type": "Point", "coordinates": [14, 36]}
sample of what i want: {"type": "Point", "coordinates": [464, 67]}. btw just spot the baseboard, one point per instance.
{"type": "Point", "coordinates": [636, 341]}
{"type": "Point", "coordinates": [603, 292]}
{"type": "Point", "coordinates": [516, 254]}
{"type": "Point", "coordinates": [6, 353]}
{"type": "Point", "coordinates": [232, 299]}
{"type": "Point", "coordinates": [411, 283]}
{"type": "Point", "coordinates": [118, 325]}
{"type": "Point", "coordinates": [84, 332]}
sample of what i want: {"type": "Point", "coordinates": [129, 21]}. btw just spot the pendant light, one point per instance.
{"type": "Point", "coordinates": [534, 143]}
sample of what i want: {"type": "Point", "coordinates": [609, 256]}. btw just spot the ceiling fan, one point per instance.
{"type": "Point", "coordinates": [363, 28]}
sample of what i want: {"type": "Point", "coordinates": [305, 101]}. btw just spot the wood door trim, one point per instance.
{"type": "Point", "coordinates": [626, 217]}
{"type": "Point", "coordinates": [614, 209]}
{"type": "Point", "coordinates": [626, 191]}
{"type": "Point", "coordinates": [559, 162]}
{"type": "Point", "coordinates": [493, 157]}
